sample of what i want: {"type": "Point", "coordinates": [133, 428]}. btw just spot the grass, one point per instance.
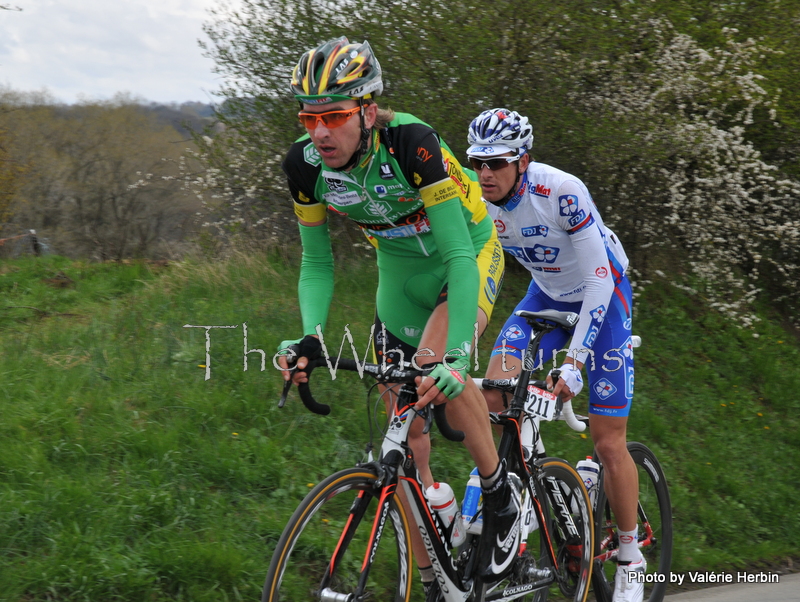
{"type": "Point", "coordinates": [125, 475]}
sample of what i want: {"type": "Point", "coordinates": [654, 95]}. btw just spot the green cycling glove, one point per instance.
{"type": "Point", "coordinates": [451, 379]}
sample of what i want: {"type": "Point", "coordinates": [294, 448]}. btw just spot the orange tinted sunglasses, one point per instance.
{"type": "Point", "coordinates": [331, 119]}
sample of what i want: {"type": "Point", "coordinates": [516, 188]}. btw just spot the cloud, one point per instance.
{"type": "Point", "coordinates": [97, 48]}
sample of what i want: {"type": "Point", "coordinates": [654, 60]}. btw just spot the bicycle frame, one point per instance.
{"type": "Point", "coordinates": [395, 467]}
{"type": "Point", "coordinates": [458, 576]}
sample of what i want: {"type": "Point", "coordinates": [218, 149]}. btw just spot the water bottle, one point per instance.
{"type": "Point", "coordinates": [472, 504]}
{"type": "Point", "coordinates": [589, 471]}
{"type": "Point", "coordinates": [443, 501]}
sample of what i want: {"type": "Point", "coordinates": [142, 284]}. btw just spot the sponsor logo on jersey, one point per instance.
{"type": "Point", "coordinates": [501, 227]}
{"type": "Point", "coordinates": [604, 388]}
{"type": "Point", "coordinates": [345, 199]}
{"type": "Point", "coordinates": [454, 171]}
{"type": "Point", "coordinates": [311, 155]}
{"type": "Point", "coordinates": [574, 291]}
{"type": "Point", "coordinates": [540, 230]}
{"type": "Point", "coordinates": [541, 191]}
{"type": "Point", "coordinates": [497, 257]}
{"type": "Point", "coordinates": [535, 254]}
{"type": "Point", "coordinates": [405, 231]}
{"type": "Point", "coordinates": [334, 184]}
{"type": "Point", "coordinates": [513, 333]}
{"type": "Point", "coordinates": [577, 218]}
{"type": "Point", "coordinates": [591, 336]}
{"type": "Point", "coordinates": [387, 173]}
{"type": "Point", "coordinates": [541, 253]}
{"type": "Point", "coordinates": [515, 200]}
{"type": "Point", "coordinates": [381, 189]}
{"type": "Point", "coordinates": [490, 290]}
{"type": "Point", "coordinates": [601, 272]}
{"type": "Point", "coordinates": [598, 315]}
{"type": "Point", "coordinates": [568, 204]}
{"type": "Point", "coordinates": [423, 154]}
{"type": "Point", "coordinates": [627, 324]}
{"type": "Point", "coordinates": [547, 269]}
{"type": "Point", "coordinates": [380, 208]}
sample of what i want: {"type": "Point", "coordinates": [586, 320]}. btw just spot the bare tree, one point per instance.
{"type": "Point", "coordinates": [102, 178]}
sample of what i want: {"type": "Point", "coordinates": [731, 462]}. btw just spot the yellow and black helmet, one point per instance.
{"type": "Point", "coordinates": [337, 70]}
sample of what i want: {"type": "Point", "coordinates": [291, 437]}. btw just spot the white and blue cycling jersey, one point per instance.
{"type": "Point", "coordinates": [552, 227]}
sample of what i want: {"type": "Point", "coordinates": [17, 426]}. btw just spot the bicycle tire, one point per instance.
{"type": "Point", "coordinates": [573, 551]}
{"type": "Point", "coordinates": [336, 518]}
{"type": "Point", "coordinates": [655, 505]}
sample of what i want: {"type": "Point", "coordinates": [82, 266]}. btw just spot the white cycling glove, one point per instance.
{"type": "Point", "coordinates": [572, 378]}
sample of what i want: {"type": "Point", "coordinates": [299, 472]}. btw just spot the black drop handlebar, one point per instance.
{"type": "Point", "coordinates": [389, 374]}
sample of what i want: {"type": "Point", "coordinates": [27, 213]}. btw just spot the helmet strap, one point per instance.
{"type": "Point", "coordinates": [511, 191]}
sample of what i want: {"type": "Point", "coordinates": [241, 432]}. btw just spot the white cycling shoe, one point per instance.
{"type": "Point", "coordinates": [629, 582]}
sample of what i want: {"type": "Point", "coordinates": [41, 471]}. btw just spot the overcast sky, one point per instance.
{"type": "Point", "coordinates": [96, 48]}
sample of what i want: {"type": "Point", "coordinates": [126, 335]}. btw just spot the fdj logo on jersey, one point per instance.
{"type": "Point", "coordinates": [598, 315]}
{"type": "Point", "coordinates": [543, 254]}
{"type": "Point", "coordinates": [577, 218]}
{"type": "Point", "coordinates": [540, 230]}
{"type": "Point", "coordinates": [535, 254]}
{"type": "Point", "coordinates": [568, 204]}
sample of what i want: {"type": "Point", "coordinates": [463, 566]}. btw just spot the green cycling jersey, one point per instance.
{"type": "Point", "coordinates": [414, 202]}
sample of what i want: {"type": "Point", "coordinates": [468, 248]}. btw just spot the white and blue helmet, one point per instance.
{"type": "Point", "coordinates": [499, 131]}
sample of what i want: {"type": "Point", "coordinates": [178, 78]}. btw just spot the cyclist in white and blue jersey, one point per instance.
{"type": "Point", "coordinates": [547, 220]}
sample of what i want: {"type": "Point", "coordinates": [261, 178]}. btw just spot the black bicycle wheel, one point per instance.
{"type": "Point", "coordinates": [567, 510]}
{"type": "Point", "coordinates": [533, 563]}
{"type": "Point", "coordinates": [571, 527]}
{"type": "Point", "coordinates": [655, 530]}
{"type": "Point", "coordinates": [323, 550]}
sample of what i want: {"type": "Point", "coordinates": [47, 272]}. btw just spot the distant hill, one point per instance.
{"type": "Point", "coordinates": [184, 117]}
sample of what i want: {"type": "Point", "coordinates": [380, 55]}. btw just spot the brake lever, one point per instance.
{"type": "Point", "coordinates": [286, 386]}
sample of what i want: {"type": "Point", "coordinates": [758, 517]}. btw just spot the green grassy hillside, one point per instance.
{"type": "Point", "coordinates": [125, 475]}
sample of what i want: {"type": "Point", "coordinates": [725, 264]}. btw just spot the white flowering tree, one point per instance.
{"type": "Point", "coordinates": [679, 178]}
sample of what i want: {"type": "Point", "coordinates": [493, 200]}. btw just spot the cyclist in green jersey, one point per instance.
{"type": "Point", "coordinates": [439, 261]}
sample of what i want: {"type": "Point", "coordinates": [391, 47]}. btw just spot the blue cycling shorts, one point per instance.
{"type": "Point", "coordinates": [609, 368]}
